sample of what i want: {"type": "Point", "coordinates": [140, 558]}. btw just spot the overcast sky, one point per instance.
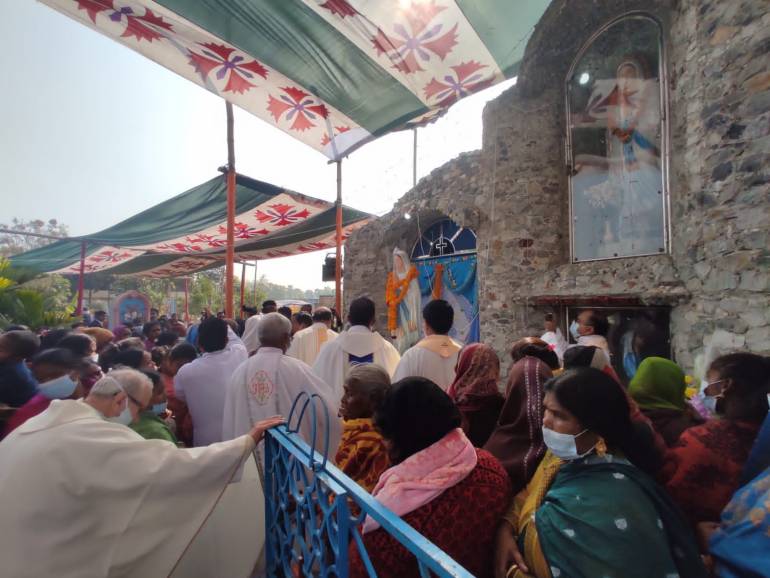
{"type": "Point", "coordinates": [93, 133]}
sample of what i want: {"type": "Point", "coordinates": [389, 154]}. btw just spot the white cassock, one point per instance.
{"type": "Point", "coordinates": [250, 337]}
{"type": "Point", "coordinates": [434, 358]}
{"type": "Point", "coordinates": [306, 343]}
{"type": "Point", "coordinates": [266, 385]}
{"type": "Point", "coordinates": [86, 498]}
{"type": "Point", "coordinates": [357, 345]}
{"type": "Point", "coordinates": [556, 341]}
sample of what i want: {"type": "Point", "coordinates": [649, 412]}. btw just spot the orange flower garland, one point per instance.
{"type": "Point", "coordinates": [395, 293]}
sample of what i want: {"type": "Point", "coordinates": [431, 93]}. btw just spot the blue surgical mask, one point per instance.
{"type": "Point", "coordinates": [563, 446]}
{"type": "Point", "coordinates": [125, 417]}
{"type": "Point", "coordinates": [59, 388]}
{"type": "Point", "coordinates": [160, 408]}
{"type": "Point", "coordinates": [573, 329]}
{"type": "Point", "coordinates": [710, 403]}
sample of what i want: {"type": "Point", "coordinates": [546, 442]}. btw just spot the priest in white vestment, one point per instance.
{"type": "Point", "coordinates": [359, 344]}
{"type": "Point", "coordinates": [268, 383]}
{"type": "Point", "coordinates": [435, 356]}
{"type": "Point", "coordinates": [307, 343]}
{"type": "Point", "coordinates": [250, 337]}
{"type": "Point", "coordinates": [84, 496]}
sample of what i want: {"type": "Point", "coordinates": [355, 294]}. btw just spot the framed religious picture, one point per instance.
{"type": "Point", "coordinates": [616, 145]}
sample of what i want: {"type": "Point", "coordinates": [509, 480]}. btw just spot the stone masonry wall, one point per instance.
{"type": "Point", "coordinates": [514, 192]}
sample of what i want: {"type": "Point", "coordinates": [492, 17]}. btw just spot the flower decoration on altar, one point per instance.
{"type": "Point", "coordinates": [395, 292]}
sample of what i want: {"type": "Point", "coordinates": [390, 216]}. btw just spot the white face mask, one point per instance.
{"type": "Point", "coordinates": [563, 446]}
{"type": "Point", "coordinates": [94, 357]}
{"type": "Point", "coordinates": [573, 329]}
{"type": "Point", "coordinates": [709, 401]}
{"type": "Point", "coordinates": [125, 417]}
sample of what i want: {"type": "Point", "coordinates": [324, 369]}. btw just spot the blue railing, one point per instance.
{"type": "Point", "coordinates": [313, 511]}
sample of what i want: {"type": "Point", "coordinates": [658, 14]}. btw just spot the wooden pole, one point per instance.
{"type": "Point", "coordinates": [81, 279]}
{"type": "Point", "coordinates": [243, 287]}
{"type": "Point", "coordinates": [338, 267]}
{"type": "Point", "coordinates": [230, 256]}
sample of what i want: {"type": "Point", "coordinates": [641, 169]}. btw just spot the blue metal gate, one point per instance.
{"type": "Point", "coordinates": [313, 510]}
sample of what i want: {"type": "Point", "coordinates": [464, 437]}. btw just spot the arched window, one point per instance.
{"type": "Point", "coordinates": [617, 142]}
{"type": "Point", "coordinates": [442, 238]}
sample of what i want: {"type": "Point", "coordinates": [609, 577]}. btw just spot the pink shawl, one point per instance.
{"type": "Point", "coordinates": [424, 476]}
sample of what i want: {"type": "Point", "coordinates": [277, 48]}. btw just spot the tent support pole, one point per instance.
{"type": "Point", "coordinates": [338, 264]}
{"type": "Point", "coordinates": [187, 299]}
{"type": "Point", "coordinates": [243, 287]}
{"type": "Point", "coordinates": [81, 279]}
{"type": "Point", "coordinates": [230, 256]}
{"type": "Point", "coordinates": [414, 159]}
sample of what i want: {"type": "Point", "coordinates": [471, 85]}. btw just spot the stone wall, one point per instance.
{"type": "Point", "coordinates": [514, 192]}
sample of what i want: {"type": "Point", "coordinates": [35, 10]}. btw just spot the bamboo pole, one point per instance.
{"type": "Point", "coordinates": [243, 287]}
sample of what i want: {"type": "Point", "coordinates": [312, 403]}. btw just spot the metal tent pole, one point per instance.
{"type": "Point", "coordinates": [243, 287]}
{"type": "Point", "coordinates": [255, 285]}
{"type": "Point", "coordinates": [338, 264]}
{"type": "Point", "coordinates": [187, 300]}
{"type": "Point", "coordinates": [230, 256]}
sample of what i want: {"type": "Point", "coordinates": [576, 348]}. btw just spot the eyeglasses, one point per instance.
{"type": "Point", "coordinates": [136, 403]}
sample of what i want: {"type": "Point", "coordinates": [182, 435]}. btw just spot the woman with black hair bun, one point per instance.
{"type": "Point", "coordinates": [450, 492]}
{"type": "Point", "coordinates": [592, 509]}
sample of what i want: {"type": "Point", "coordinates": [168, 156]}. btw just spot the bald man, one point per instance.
{"type": "Point", "coordinates": [307, 343]}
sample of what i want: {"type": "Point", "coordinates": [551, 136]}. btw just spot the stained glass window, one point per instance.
{"type": "Point", "coordinates": [444, 237]}
{"type": "Point", "coordinates": [616, 143]}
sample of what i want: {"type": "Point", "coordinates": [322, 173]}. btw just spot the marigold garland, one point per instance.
{"type": "Point", "coordinates": [395, 293]}
{"type": "Point", "coordinates": [438, 276]}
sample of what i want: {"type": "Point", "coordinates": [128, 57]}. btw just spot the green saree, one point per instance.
{"type": "Point", "coordinates": [604, 518]}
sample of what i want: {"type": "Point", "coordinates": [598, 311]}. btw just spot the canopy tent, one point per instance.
{"type": "Point", "coordinates": [332, 73]}
{"type": "Point", "coordinates": [187, 233]}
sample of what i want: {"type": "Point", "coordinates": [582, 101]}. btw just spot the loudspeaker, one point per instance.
{"type": "Point", "coordinates": [329, 268]}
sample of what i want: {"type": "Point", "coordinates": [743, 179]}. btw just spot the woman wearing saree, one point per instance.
{"type": "Point", "coordinates": [591, 509]}
{"type": "Point", "coordinates": [658, 388]}
{"type": "Point", "coordinates": [475, 392]}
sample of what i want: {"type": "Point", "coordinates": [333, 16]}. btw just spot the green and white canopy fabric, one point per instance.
{"type": "Point", "coordinates": [332, 73]}
{"type": "Point", "coordinates": [188, 233]}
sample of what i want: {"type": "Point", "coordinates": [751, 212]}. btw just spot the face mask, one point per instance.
{"type": "Point", "coordinates": [563, 445]}
{"type": "Point", "coordinates": [160, 408]}
{"type": "Point", "coordinates": [573, 329]}
{"type": "Point", "coordinates": [59, 388]}
{"type": "Point", "coordinates": [94, 357]}
{"type": "Point", "coordinates": [710, 403]}
{"type": "Point", "coordinates": [125, 417]}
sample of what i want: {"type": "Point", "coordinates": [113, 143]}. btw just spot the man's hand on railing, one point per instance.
{"type": "Point", "coordinates": [258, 431]}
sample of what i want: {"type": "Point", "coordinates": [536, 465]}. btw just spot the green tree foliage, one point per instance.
{"type": "Point", "coordinates": [23, 303]}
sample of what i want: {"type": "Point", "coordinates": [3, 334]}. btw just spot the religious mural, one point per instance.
{"type": "Point", "coordinates": [617, 182]}
{"type": "Point", "coordinates": [129, 307]}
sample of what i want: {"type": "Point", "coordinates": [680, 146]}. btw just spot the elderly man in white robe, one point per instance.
{"type": "Point", "coordinates": [250, 336]}
{"type": "Point", "coordinates": [306, 344]}
{"type": "Point", "coordinates": [85, 496]}
{"type": "Point", "coordinates": [268, 383]}
{"type": "Point", "coordinates": [357, 345]}
{"type": "Point", "coordinates": [435, 356]}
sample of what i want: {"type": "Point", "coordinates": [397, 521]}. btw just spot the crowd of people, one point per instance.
{"type": "Point", "coordinates": [555, 469]}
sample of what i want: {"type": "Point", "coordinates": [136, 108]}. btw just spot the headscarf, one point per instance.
{"type": "Point", "coordinates": [658, 384]}
{"type": "Point", "coordinates": [518, 439]}
{"type": "Point", "coordinates": [478, 371]}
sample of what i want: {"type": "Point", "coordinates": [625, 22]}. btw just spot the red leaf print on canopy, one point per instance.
{"type": "Point", "coordinates": [422, 40]}
{"type": "Point", "coordinates": [339, 8]}
{"type": "Point", "coordinates": [467, 80]}
{"type": "Point", "coordinates": [141, 26]}
{"type": "Point", "coordinates": [180, 248]}
{"type": "Point", "coordinates": [297, 105]}
{"type": "Point", "coordinates": [110, 256]}
{"type": "Point", "coordinates": [277, 253]}
{"type": "Point", "coordinates": [313, 246]}
{"type": "Point", "coordinates": [236, 68]}
{"type": "Point", "coordinates": [338, 130]}
{"type": "Point", "coordinates": [280, 215]}
{"type": "Point", "coordinates": [244, 231]}
{"type": "Point", "coordinates": [210, 240]}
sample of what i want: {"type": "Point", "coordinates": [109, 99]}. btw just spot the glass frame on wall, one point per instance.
{"type": "Point", "coordinates": [617, 143]}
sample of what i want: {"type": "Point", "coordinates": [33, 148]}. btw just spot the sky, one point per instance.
{"type": "Point", "coordinates": [93, 133]}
